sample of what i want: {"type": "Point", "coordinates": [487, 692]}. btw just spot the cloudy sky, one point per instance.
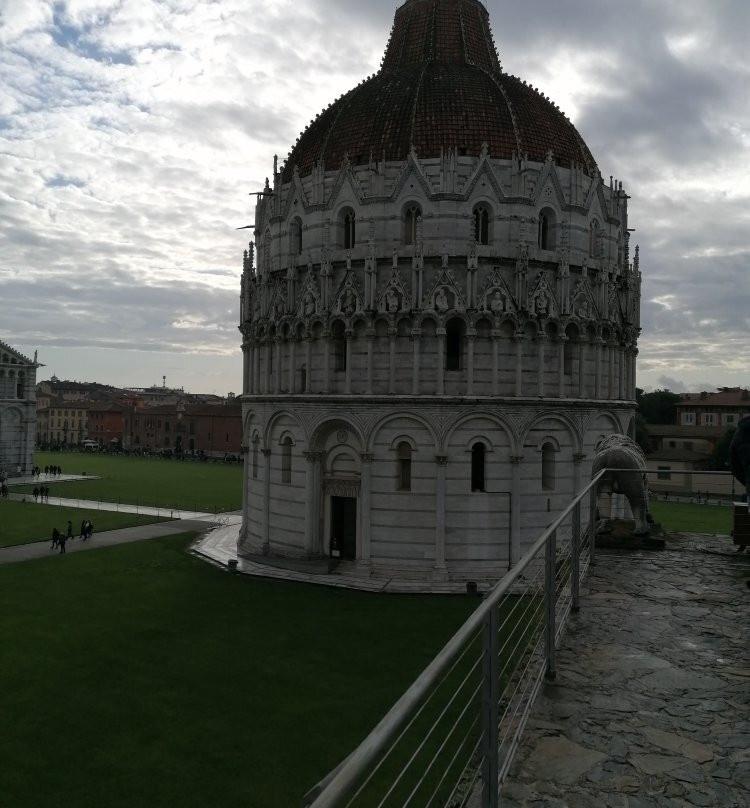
{"type": "Point", "coordinates": [132, 131]}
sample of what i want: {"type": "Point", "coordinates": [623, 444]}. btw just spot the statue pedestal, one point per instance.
{"type": "Point", "coordinates": [619, 534]}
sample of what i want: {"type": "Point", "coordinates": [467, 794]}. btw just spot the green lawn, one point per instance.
{"type": "Point", "coordinates": [678, 517]}
{"type": "Point", "coordinates": [140, 676]}
{"type": "Point", "coordinates": [185, 485]}
{"type": "Point", "coordinates": [27, 522]}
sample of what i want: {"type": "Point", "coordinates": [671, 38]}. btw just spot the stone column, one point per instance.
{"type": "Point", "coordinates": [246, 362]}
{"type": "Point", "coordinates": [416, 338]}
{"type": "Point", "coordinates": [312, 504]}
{"type": "Point", "coordinates": [245, 450]}
{"type": "Point", "coordinates": [561, 367]}
{"type": "Point", "coordinates": [610, 371]}
{"type": "Point", "coordinates": [470, 341]}
{"type": "Point", "coordinates": [598, 370]}
{"type": "Point", "coordinates": [348, 361]}
{"type": "Point", "coordinates": [308, 363]}
{"type": "Point", "coordinates": [392, 360]}
{"type": "Point", "coordinates": [326, 362]}
{"type": "Point", "coordinates": [269, 360]}
{"type": "Point", "coordinates": [495, 362]}
{"type": "Point", "coordinates": [581, 369]}
{"type": "Point", "coordinates": [363, 551]}
{"type": "Point", "coordinates": [292, 364]}
{"type": "Point", "coordinates": [279, 363]}
{"type": "Point", "coordinates": [440, 362]}
{"type": "Point", "coordinates": [266, 500]}
{"type": "Point", "coordinates": [515, 511]}
{"type": "Point", "coordinates": [518, 339]}
{"type": "Point", "coordinates": [577, 462]}
{"type": "Point", "coordinates": [540, 340]}
{"type": "Point", "coordinates": [442, 462]}
{"type": "Point", "coordinates": [370, 347]}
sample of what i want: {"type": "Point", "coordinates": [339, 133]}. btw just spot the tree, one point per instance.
{"type": "Point", "coordinates": [720, 456]}
{"type": "Point", "coordinates": [659, 407]}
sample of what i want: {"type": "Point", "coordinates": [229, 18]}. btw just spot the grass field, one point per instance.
{"type": "Point", "coordinates": [196, 486]}
{"type": "Point", "coordinates": [139, 676]}
{"type": "Point", "coordinates": [678, 517]}
{"type": "Point", "coordinates": [27, 522]}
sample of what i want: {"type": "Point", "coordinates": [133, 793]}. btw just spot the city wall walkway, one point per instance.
{"type": "Point", "coordinates": [651, 705]}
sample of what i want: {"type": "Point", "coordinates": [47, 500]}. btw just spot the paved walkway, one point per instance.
{"type": "Point", "coordinates": [651, 706]}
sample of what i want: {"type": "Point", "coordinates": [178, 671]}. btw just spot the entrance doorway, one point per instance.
{"type": "Point", "coordinates": [344, 528]}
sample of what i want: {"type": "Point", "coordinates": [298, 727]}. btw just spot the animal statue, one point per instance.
{"type": "Point", "coordinates": [626, 458]}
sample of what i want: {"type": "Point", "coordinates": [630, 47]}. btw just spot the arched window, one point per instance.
{"type": "Point", "coordinates": [546, 235]}
{"type": "Point", "coordinates": [478, 456]}
{"type": "Point", "coordinates": [404, 466]}
{"type": "Point", "coordinates": [295, 236]}
{"type": "Point", "coordinates": [481, 224]}
{"type": "Point", "coordinates": [411, 217]}
{"type": "Point", "coordinates": [339, 346]}
{"type": "Point", "coordinates": [286, 460]}
{"type": "Point", "coordinates": [594, 239]}
{"type": "Point", "coordinates": [350, 233]}
{"type": "Point", "coordinates": [548, 467]}
{"type": "Point", "coordinates": [454, 333]}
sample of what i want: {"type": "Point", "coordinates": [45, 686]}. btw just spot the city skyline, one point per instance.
{"type": "Point", "coordinates": [133, 133]}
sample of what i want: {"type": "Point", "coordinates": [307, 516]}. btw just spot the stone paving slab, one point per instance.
{"type": "Point", "coordinates": [651, 705]}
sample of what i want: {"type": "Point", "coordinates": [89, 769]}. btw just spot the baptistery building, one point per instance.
{"type": "Point", "coordinates": [439, 313]}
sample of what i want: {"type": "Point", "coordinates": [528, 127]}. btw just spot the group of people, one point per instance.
{"type": "Point", "coordinates": [59, 538]}
{"type": "Point", "coordinates": [4, 490]}
{"type": "Point", "coordinates": [41, 494]}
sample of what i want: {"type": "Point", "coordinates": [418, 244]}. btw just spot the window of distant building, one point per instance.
{"type": "Point", "coordinates": [548, 467]}
{"type": "Point", "coordinates": [349, 225]}
{"type": "Point", "coordinates": [482, 224]}
{"type": "Point", "coordinates": [546, 230]}
{"type": "Point", "coordinates": [286, 460]}
{"type": "Point", "coordinates": [478, 463]}
{"type": "Point", "coordinates": [412, 215]}
{"type": "Point", "coordinates": [404, 466]}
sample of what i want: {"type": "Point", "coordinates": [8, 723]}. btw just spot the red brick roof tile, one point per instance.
{"type": "Point", "coordinates": [440, 87]}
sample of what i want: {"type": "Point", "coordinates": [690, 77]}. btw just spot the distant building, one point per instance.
{"type": "Point", "coordinates": [62, 423]}
{"type": "Point", "coordinates": [688, 445]}
{"type": "Point", "coordinates": [211, 429]}
{"type": "Point", "coordinates": [17, 411]}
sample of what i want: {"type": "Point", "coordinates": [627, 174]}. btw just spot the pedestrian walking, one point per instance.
{"type": "Point", "coordinates": [36, 494]}
{"type": "Point", "coordinates": [63, 539]}
{"type": "Point", "coordinates": [69, 534]}
{"type": "Point", "coordinates": [55, 538]}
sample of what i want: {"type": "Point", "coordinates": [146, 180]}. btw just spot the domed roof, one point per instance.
{"type": "Point", "coordinates": [440, 86]}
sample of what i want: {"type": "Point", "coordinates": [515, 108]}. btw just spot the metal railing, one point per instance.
{"type": "Point", "coordinates": [450, 739]}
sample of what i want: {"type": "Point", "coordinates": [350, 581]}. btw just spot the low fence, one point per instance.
{"type": "Point", "coordinates": [694, 485]}
{"type": "Point", "coordinates": [450, 739]}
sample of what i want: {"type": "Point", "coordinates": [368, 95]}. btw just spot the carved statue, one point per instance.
{"type": "Point", "coordinates": [441, 300]}
{"type": "Point", "coordinates": [623, 454]}
{"type": "Point", "coordinates": [391, 300]}
{"type": "Point", "coordinates": [497, 304]}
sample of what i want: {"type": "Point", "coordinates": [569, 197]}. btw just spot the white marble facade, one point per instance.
{"type": "Point", "coordinates": [17, 411]}
{"type": "Point", "coordinates": [433, 347]}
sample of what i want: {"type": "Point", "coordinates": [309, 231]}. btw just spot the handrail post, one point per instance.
{"type": "Point", "coordinates": [549, 602]}
{"type": "Point", "coordinates": [575, 548]}
{"type": "Point", "coordinates": [592, 525]}
{"type": "Point", "coordinates": [490, 709]}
